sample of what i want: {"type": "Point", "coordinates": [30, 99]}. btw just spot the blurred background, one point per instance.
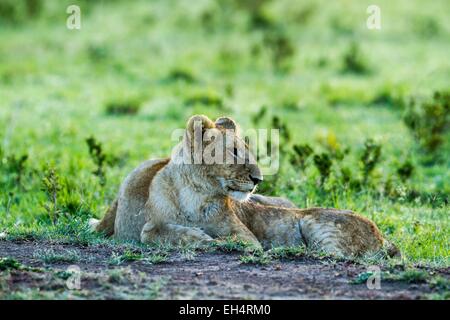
{"type": "Point", "coordinates": [363, 114]}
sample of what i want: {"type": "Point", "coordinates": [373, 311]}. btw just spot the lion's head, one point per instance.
{"type": "Point", "coordinates": [215, 158]}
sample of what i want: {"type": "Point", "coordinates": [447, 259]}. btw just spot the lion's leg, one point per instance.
{"type": "Point", "coordinates": [173, 233]}
{"type": "Point", "coordinates": [229, 225]}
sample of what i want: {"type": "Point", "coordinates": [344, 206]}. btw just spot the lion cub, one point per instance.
{"type": "Point", "coordinates": [192, 197]}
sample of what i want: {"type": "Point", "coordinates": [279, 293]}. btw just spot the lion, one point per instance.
{"type": "Point", "coordinates": [188, 198]}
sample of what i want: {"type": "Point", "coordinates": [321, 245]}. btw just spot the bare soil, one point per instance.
{"type": "Point", "coordinates": [206, 275]}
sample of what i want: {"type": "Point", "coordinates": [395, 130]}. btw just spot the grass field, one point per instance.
{"type": "Point", "coordinates": [362, 127]}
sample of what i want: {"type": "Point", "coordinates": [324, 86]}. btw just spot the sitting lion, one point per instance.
{"type": "Point", "coordinates": [179, 200]}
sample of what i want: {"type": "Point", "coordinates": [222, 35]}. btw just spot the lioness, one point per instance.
{"type": "Point", "coordinates": [180, 200]}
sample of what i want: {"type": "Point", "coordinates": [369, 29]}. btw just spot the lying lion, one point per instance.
{"type": "Point", "coordinates": [179, 200]}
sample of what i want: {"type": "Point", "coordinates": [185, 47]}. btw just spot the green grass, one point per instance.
{"type": "Point", "coordinates": [410, 276]}
{"type": "Point", "coordinates": [154, 257]}
{"type": "Point", "coordinates": [9, 264]}
{"type": "Point", "coordinates": [126, 256]}
{"type": "Point", "coordinates": [136, 71]}
{"type": "Point", "coordinates": [257, 257]}
{"type": "Point", "coordinates": [231, 244]}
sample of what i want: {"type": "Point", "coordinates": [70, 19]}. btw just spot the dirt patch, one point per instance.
{"type": "Point", "coordinates": [203, 275]}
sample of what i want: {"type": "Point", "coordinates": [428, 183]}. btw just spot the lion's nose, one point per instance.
{"type": "Point", "coordinates": [255, 180]}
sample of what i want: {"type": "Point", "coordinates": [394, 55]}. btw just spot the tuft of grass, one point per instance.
{"type": "Point", "coordinates": [301, 154]}
{"type": "Point", "coordinates": [98, 156]}
{"type": "Point", "coordinates": [261, 257]}
{"type": "Point", "coordinates": [353, 60]}
{"type": "Point", "coordinates": [426, 27]}
{"type": "Point", "coordinates": [154, 290]}
{"type": "Point", "coordinates": [9, 264]}
{"type": "Point", "coordinates": [440, 283]}
{"type": "Point", "coordinates": [369, 158]}
{"type": "Point", "coordinates": [157, 257]}
{"type": "Point", "coordinates": [285, 132]}
{"type": "Point", "coordinates": [281, 49]}
{"type": "Point", "coordinates": [16, 165]}
{"type": "Point", "coordinates": [411, 276]}
{"type": "Point", "coordinates": [188, 252]}
{"type": "Point", "coordinates": [362, 277]}
{"type": "Point", "coordinates": [287, 252]}
{"type": "Point", "coordinates": [408, 276]}
{"type": "Point", "coordinates": [230, 244]}
{"type": "Point", "coordinates": [259, 116]}
{"type": "Point", "coordinates": [123, 107]}
{"type": "Point", "coordinates": [323, 164]}
{"type": "Point", "coordinates": [126, 256]}
{"type": "Point", "coordinates": [258, 257]}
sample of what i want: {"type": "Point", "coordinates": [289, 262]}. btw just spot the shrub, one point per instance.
{"type": "Point", "coordinates": [180, 75]}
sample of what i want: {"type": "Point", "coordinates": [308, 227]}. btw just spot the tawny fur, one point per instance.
{"type": "Point", "coordinates": [169, 200]}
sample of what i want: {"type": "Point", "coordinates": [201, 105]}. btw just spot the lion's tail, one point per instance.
{"type": "Point", "coordinates": [105, 225]}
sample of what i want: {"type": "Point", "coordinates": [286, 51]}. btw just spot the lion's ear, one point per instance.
{"type": "Point", "coordinates": [199, 122]}
{"type": "Point", "coordinates": [226, 123]}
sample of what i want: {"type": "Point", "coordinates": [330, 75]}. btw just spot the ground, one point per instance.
{"type": "Point", "coordinates": [201, 275]}
{"type": "Point", "coordinates": [363, 116]}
